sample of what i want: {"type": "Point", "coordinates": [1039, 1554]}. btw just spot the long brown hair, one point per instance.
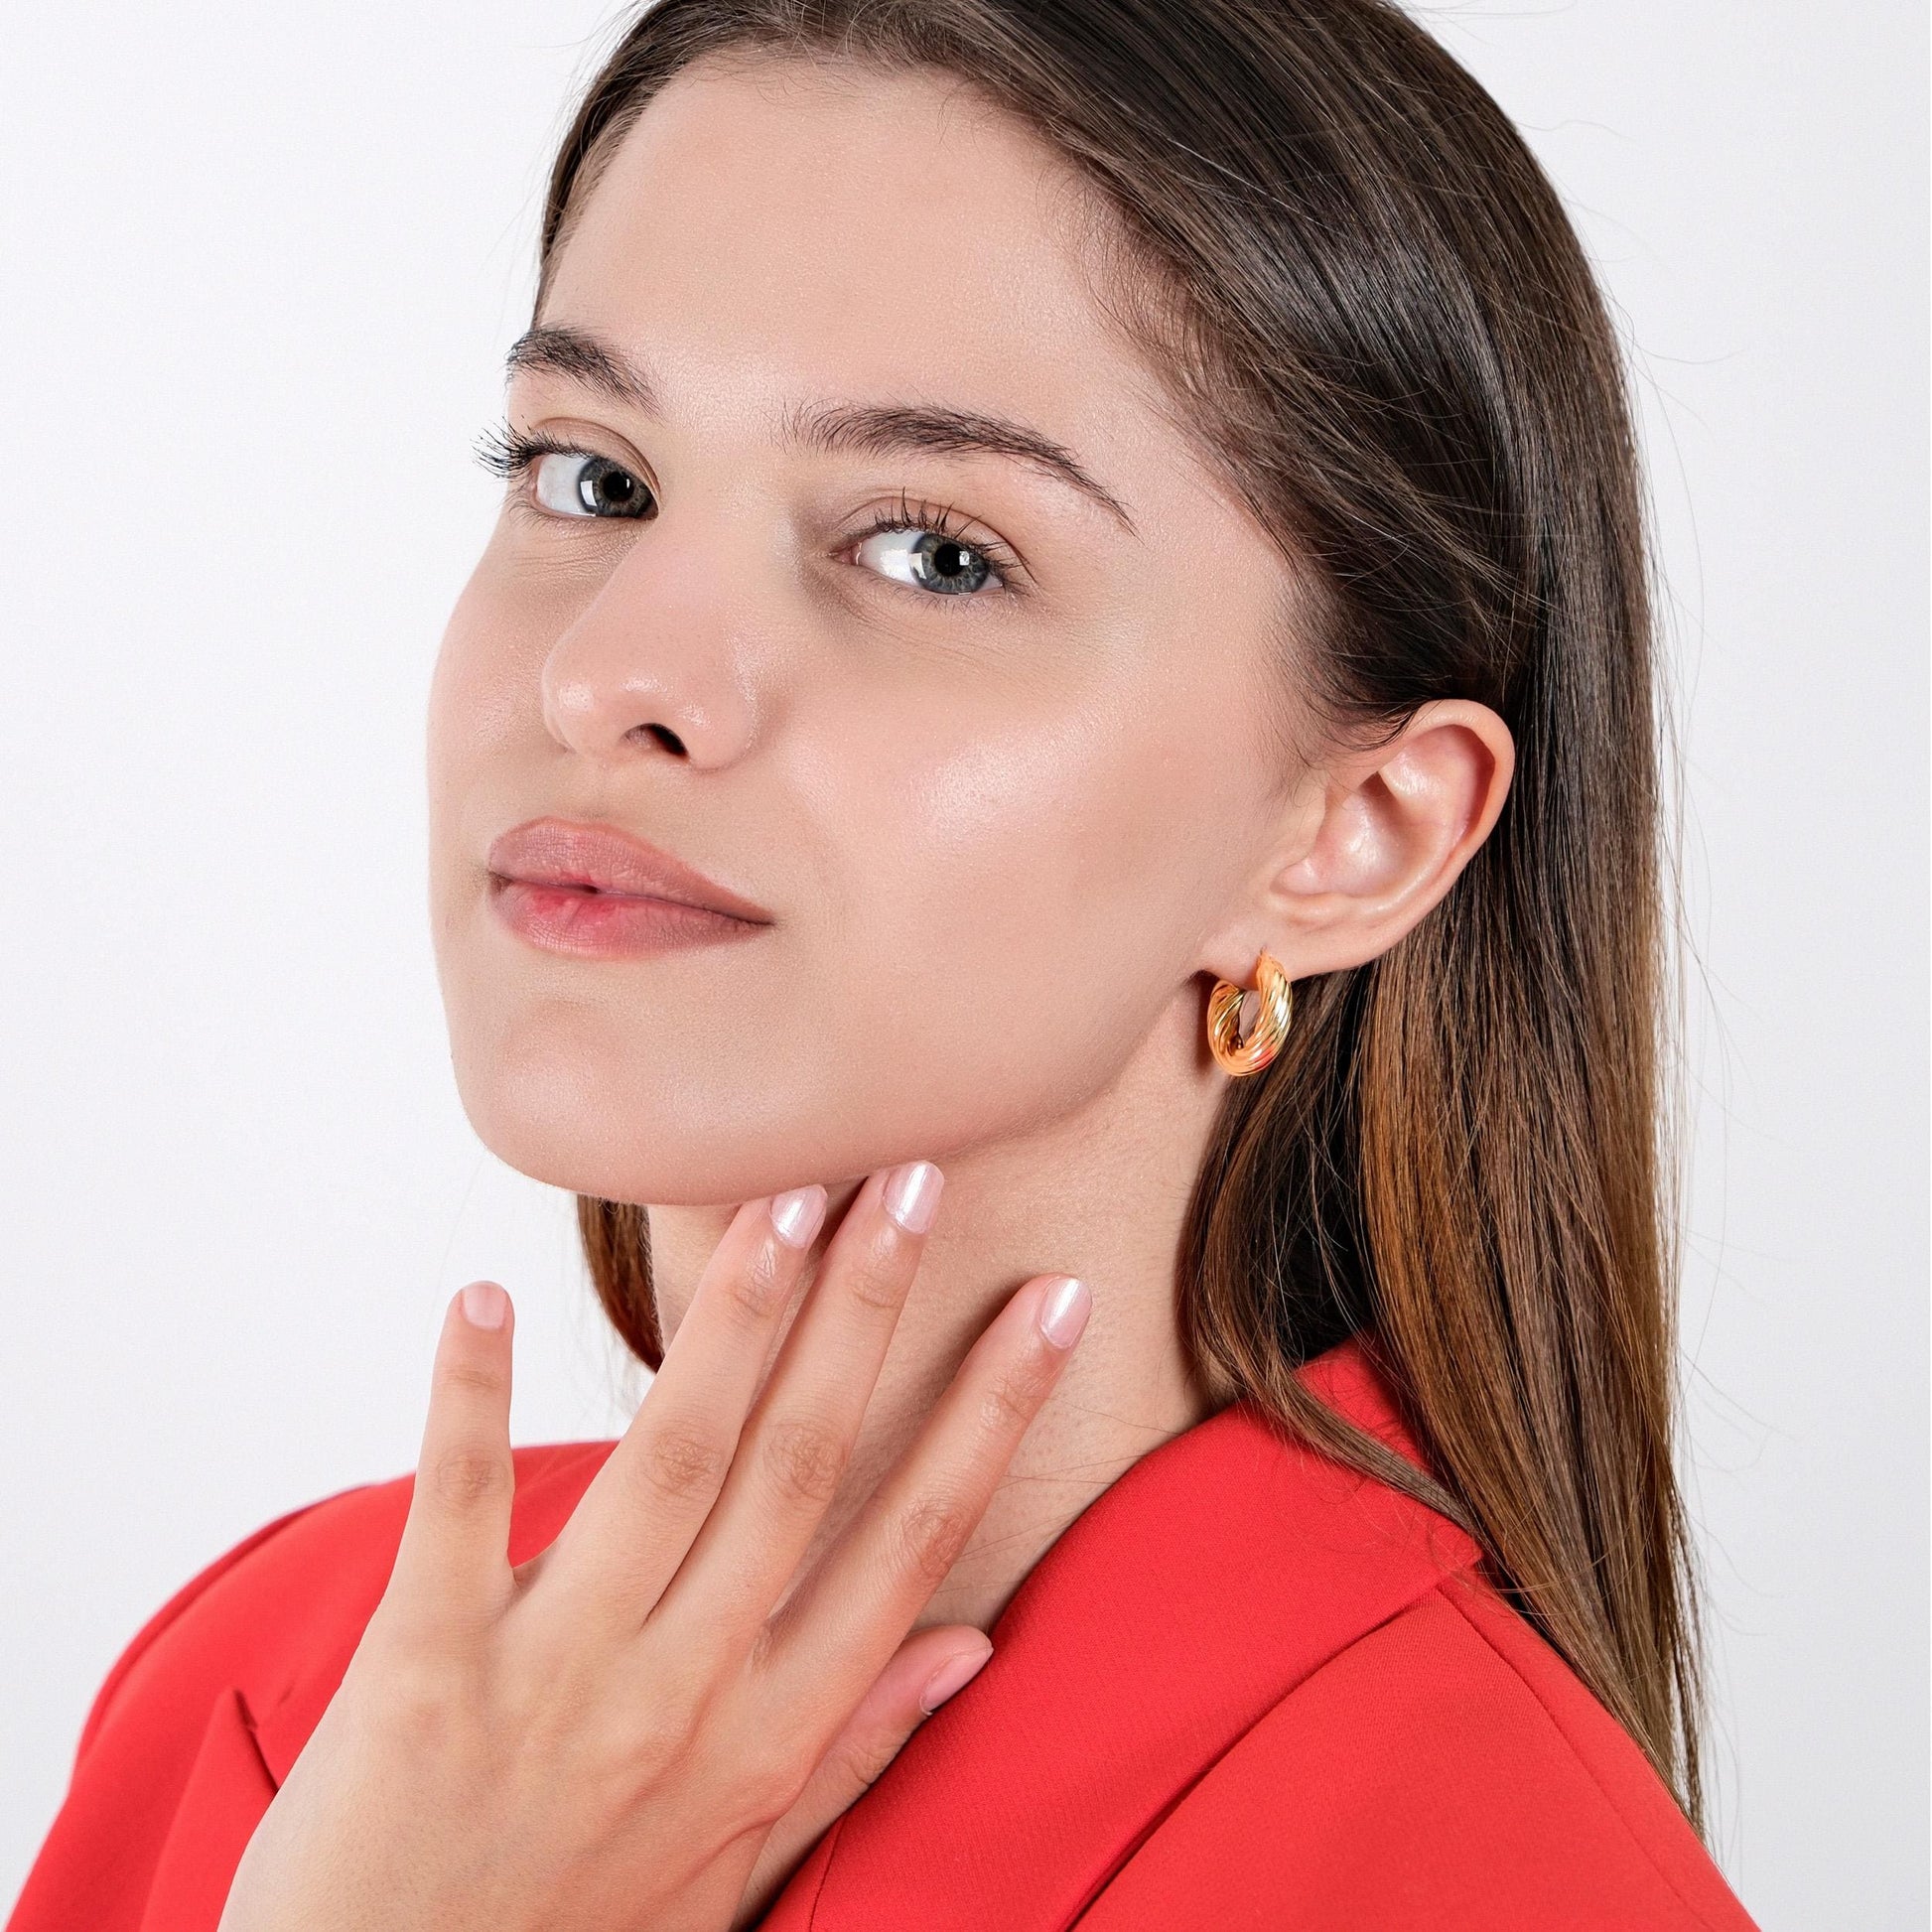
{"type": "Point", "coordinates": [1373, 312]}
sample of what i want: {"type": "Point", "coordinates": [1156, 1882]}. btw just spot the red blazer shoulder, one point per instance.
{"type": "Point", "coordinates": [1445, 1771]}
{"type": "Point", "coordinates": [1249, 1688]}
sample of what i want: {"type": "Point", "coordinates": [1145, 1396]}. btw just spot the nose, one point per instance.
{"type": "Point", "coordinates": [655, 664]}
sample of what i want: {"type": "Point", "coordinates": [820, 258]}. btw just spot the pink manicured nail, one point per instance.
{"type": "Point", "coordinates": [796, 1216]}
{"type": "Point", "coordinates": [1063, 1311]}
{"type": "Point", "coordinates": [953, 1675]}
{"type": "Point", "coordinates": [484, 1305]}
{"type": "Point", "coordinates": [912, 1195]}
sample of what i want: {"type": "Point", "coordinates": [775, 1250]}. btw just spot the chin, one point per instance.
{"type": "Point", "coordinates": [665, 1102]}
{"type": "Point", "coordinates": [553, 1094]}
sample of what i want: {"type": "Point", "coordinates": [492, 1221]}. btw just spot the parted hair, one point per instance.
{"type": "Point", "coordinates": [1370, 308]}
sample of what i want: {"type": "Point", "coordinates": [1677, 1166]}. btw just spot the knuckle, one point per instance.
{"type": "Point", "coordinates": [863, 1760]}
{"type": "Point", "coordinates": [1013, 1396]}
{"type": "Point", "coordinates": [928, 1535]}
{"type": "Point", "coordinates": [804, 1459]}
{"type": "Point", "coordinates": [880, 1274]}
{"type": "Point", "coordinates": [643, 1739]}
{"type": "Point", "coordinates": [680, 1706]}
{"type": "Point", "coordinates": [655, 1752]}
{"type": "Point", "coordinates": [764, 1646]}
{"type": "Point", "coordinates": [762, 1285]}
{"type": "Point", "coordinates": [877, 1289]}
{"type": "Point", "coordinates": [778, 1767]}
{"type": "Point", "coordinates": [422, 1703]}
{"type": "Point", "coordinates": [662, 1739]}
{"type": "Point", "coordinates": [464, 1475]}
{"type": "Point", "coordinates": [678, 1462]}
{"type": "Point", "coordinates": [770, 1788]}
{"type": "Point", "coordinates": [466, 1377]}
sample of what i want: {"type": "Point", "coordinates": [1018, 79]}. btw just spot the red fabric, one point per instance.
{"type": "Point", "coordinates": [1245, 1689]}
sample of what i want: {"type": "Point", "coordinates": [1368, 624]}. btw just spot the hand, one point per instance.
{"type": "Point", "coordinates": [641, 1728]}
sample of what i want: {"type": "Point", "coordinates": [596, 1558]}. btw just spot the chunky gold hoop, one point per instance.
{"type": "Point", "coordinates": [1277, 991]}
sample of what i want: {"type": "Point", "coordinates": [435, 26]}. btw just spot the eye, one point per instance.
{"type": "Point", "coordinates": [569, 482]}
{"type": "Point", "coordinates": [929, 559]}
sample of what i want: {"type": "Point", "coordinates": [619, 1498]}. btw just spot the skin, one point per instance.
{"type": "Point", "coordinates": [1008, 838]}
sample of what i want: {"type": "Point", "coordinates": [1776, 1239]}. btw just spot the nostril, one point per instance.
{"type": "Point", "coordinates": [667, 736]}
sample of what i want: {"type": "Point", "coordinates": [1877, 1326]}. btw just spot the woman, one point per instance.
{"type": "Point", "coordinates": [1068, 630]}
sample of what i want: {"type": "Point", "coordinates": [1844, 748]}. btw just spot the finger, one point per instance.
{"type": "Point", "coordinates": [453, 1558]}
{"type": "Point", "coordinates": [636, 1521]}
{"type": "Point", "coordinates": [834, 1632]}
{"type": "Point", "coordinates": [930, 1667]}
{"type": "Point", "coordinates": [798, 1438]}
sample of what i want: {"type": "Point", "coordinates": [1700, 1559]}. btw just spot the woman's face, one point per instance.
{"type": "Point", "coordinates": [994, 785]}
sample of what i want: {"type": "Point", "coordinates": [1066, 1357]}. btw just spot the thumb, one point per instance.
{"type": "Point", "coordinates": [925, 1670]}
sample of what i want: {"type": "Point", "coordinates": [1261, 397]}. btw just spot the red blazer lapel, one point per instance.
{"type": "Point", "coordinates": [244, 1759]}
{"type": "Point", "coordinates": [227, 1791]}
{"type": "Point", "coordinates": [1183, 1603]}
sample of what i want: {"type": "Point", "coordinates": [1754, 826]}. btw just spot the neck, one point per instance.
{"type": "Point", "coordinates": [1101, 1193]}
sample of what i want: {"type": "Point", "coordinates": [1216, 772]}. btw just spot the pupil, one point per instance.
{"type": "Point", "coordinates": [952, 564]}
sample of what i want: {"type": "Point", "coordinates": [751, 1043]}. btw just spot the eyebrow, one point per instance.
{"type": "Point", "coordinates": [876, 429]}
{"type": "Point", "coordinates": [548, 351]}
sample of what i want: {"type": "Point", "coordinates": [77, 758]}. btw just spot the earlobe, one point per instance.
{"type": "Point", "coordinates": [1399, 822]}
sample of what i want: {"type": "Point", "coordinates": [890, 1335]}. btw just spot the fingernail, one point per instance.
{"type": "Point", "coordinates": [912, 1195]}
{"type": "Point", "coordinates": [796, 1216]}
{"type": "Point", "coordinates": [953, 1675]}
{"type": "Point", "coordinates": [1064, 1310]}
{"type": "Point", "coordinates": [484, 1305]}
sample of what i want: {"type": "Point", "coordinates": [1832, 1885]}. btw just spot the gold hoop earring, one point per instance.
{"type": "Point", "coordinates": [1270, 1026]}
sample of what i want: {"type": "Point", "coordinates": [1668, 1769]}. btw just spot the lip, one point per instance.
{"type": "Point", "coordinates": [597, 891]}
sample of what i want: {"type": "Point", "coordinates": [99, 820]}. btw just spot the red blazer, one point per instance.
{"type": "Point", "coordinates": [1244, 1690]}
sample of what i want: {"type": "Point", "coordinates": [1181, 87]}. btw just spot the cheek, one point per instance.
{"type": "Point", "coordinates": [485, 725]}
{"type": "Point", "coordinates": [1028, 885]}
{"type": "Point", "coordinates": [482, 697]}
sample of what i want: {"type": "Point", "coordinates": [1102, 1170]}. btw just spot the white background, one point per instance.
{"type": "Point", "coordinates": [262, 264]}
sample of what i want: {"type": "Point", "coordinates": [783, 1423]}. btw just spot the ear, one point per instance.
{"type": "Point", "coordinates": [1370, 843]}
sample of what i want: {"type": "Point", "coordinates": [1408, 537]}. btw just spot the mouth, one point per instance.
{"type": "Point", "coordinates": [595, 892]}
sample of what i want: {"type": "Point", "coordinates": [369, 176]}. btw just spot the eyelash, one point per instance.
{"type": "Point", "coordinates": [509, 453]}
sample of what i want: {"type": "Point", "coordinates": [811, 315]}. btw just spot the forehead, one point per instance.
{"type": "Point", "coordinates": [783, 230]}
